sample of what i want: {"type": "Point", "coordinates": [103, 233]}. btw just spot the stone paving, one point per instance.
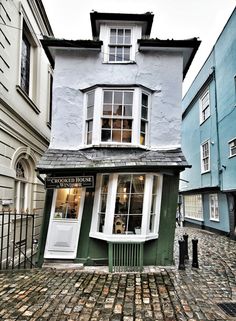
{"type": "Point", "coordinates": [159, 293]}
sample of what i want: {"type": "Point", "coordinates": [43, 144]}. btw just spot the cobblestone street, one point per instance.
{"type": "Point", "coordinates": [162, 293]}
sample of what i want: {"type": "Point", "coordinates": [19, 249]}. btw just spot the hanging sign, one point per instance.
{"type": "Point", "coordinates": [70, 182]}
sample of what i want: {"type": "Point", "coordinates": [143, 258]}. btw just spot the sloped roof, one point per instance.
{"type": "Point", "coordinates": [100, 159]}
{"type": "Point", "coordinates": [97, 17]}
{"type": "Point", "coordinates": [188, 47]}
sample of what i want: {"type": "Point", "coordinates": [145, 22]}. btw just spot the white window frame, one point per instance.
{"type": "Point", "coordinates": [121, 45]}
{"type": "Point", "coordinates": [204, 157]}
{"type": "Point", "coordinates": [22, 185]}
{"type": "Point", "coordinates": [145, 234]}
{"type": "Point", "coordinates": [193, 207]}
{"type": "Point", "coordinates": [214, 210]}
{"type": "Point", "coordinates": [34, 75]}
{"type": "Point", "coordinates": [98, 115]}
{"type": "Point", "coordinates": [232, 146]}
{"type": "Point", "coordinates": [136, 33]}
{"type": "Point", "coordinates": [205, 111]}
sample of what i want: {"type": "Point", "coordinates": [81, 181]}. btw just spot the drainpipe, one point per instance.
{"type": "Point", "coordinates": [219, 169]}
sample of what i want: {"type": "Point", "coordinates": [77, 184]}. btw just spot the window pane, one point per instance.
{"type": "Point", "coordinates": [105, 180]}
{"type": "Point", "coordinates": [117, 110]}
{"type": "Point", "coordinates": [89, 138]}
{"type": "Point", "coordinates": [123, 185]}
{"type": "Point", "coordinates": [90, 99]}
{"type": "Point", "coordinates": [90, 112]}
{"type": "Point", "coordinates": [120, 36]}
{"type": "Point", "coordinates": [106, 135]}
{"type": "Point", "coordinates": [107, 109]}
{"type": "Point", "coordinates": [144, 112]}
{"type": "Point", "coordinates": [22, 196]}
{"type": "Point", "coordinates": [126, 136]}
{"type": "Point", "coordinates": [154, 186]}
{"type": "Point", "coordinates": [103, 203]}
{"type": "Point", "coordinates": [136, 204]}
{"type": "Point", "coordinates": [106, 123]}
{"type": "Point", "coordinates": [107, 97]}
{"type": "Point", "coordinates": [67, 203]}
{"type": "Point", "coordinates": [113, 36]}
{"type": "Point", "coordinates": [90, 125]}
{"type": "Point", "coordinates": [144, 100]}
{"type": "Point", "coordinates": [116, 123]}
{"type": "Point", "coordinates": [119, 55]}
{"type": "Point", "coordinates": [116, 136]}
{"type": "Point", "coordinates": [126, 54]}
{"type": "Point", "coordinates": [112, 54]}
{"type": "Point", "coordinates": [135, 223]}
{"type": "Point", "coordinates": [127, 36]}
{"type": "Point", "coordinates": [128, 98]}
{"type": "Point", "coordinates": [118, 97]}
{"type": "Point", "coordinates": [101, 221]}
{"type": "Point", "coordinates": [143, 126]}
{"type": "Point", "coordinates": [120, 224]}
{"type": "Point", "coordinates": [25, 64]}
{"type": "Point", "coordinates": [153, 206]}
{"type": "Point", "coordinates": [142, 139]}
{"type": "Point", "coordinates": [138, 184]}
{"type": "Point", "coordinates": [128, 110]}
{"type": "Point", "coordinates": [127, 124]}
{"type": "Point", "coordinates": [122, 203]}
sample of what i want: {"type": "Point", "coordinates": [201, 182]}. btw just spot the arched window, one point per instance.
{"type": "Point", "coordinates": [21, 186]}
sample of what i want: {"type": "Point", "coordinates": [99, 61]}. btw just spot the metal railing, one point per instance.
{"type": "Point", "coordinates": [125, 257]}
{"type": "Point", "coordinates": [17, 244]}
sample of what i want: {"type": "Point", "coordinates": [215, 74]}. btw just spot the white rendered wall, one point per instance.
{"type": "Point", "coordinates": [76, 70]}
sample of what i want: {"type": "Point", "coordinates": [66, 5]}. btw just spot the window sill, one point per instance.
{"type": "Point", "coordinates": [49, 125]}
{"type": "Point", "coordinates": [206, 172]}
{"type": "Point", "coordinates": [120, 238]}
{"type": "Point", "coordinates": [231, 156]}
{"type": "Point", "coordinates": [112, 145]}
{"type": "Point", "coordinates": [119, 62]}
{"type": "Point", "coordinates": [27, 99]}
{"type": "Point", "coordinates": [194, 218]}
{"type": "Point", "coordinates": [203, 121]}
{"type": "Point", "coordinates": [215, 220]}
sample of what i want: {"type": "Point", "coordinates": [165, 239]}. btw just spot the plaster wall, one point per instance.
{"type": "Point", "coordinates": [76, 70]}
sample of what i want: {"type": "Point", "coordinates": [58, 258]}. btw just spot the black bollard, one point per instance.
{"type": "Point", "coordinates": [185, 237]}
{"type": "Point", "coordinates": [181, 255]}
{"type": "Point", "coordinates": [195, 254]}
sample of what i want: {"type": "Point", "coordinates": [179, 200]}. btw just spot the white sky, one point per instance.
{"type": "Point", "coordinates": [173, 19]}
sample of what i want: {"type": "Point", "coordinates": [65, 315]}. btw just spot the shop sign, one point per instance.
{"type": "Point", "coordinates": [70, 182]}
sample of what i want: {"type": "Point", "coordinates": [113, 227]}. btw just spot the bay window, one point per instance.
{"type": "Point", "coordinates": [116, 116]}
{"type": "Point", "coordinates": [127, 206]}
{"type": "Point", "coordinates": [89, 117]}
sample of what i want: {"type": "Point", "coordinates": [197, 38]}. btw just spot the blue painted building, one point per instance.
{"type": "Point", "coordinates": [209, 139]}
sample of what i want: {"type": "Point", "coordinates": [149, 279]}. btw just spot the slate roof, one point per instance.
{"type": "Point", "coordinates": [100, 159]}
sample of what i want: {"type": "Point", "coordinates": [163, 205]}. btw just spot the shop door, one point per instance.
{"type": "Point", "coordinates": [65, 221]}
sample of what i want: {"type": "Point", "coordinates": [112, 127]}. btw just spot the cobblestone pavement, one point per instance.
{"type": "Point", "coordinates": [162, 293]}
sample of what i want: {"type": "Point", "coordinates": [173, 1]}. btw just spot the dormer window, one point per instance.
{"type": "Point", "coordinates": [119, 44]}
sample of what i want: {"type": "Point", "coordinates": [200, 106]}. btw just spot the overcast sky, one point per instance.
{"type": "Point", "coordinates": [173, 19]}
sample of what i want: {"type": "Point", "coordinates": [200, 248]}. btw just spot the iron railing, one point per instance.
{"type": "Point", "coordinates": [125, 257]}
{"type": "Point", "coordinates": [17, 244]}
